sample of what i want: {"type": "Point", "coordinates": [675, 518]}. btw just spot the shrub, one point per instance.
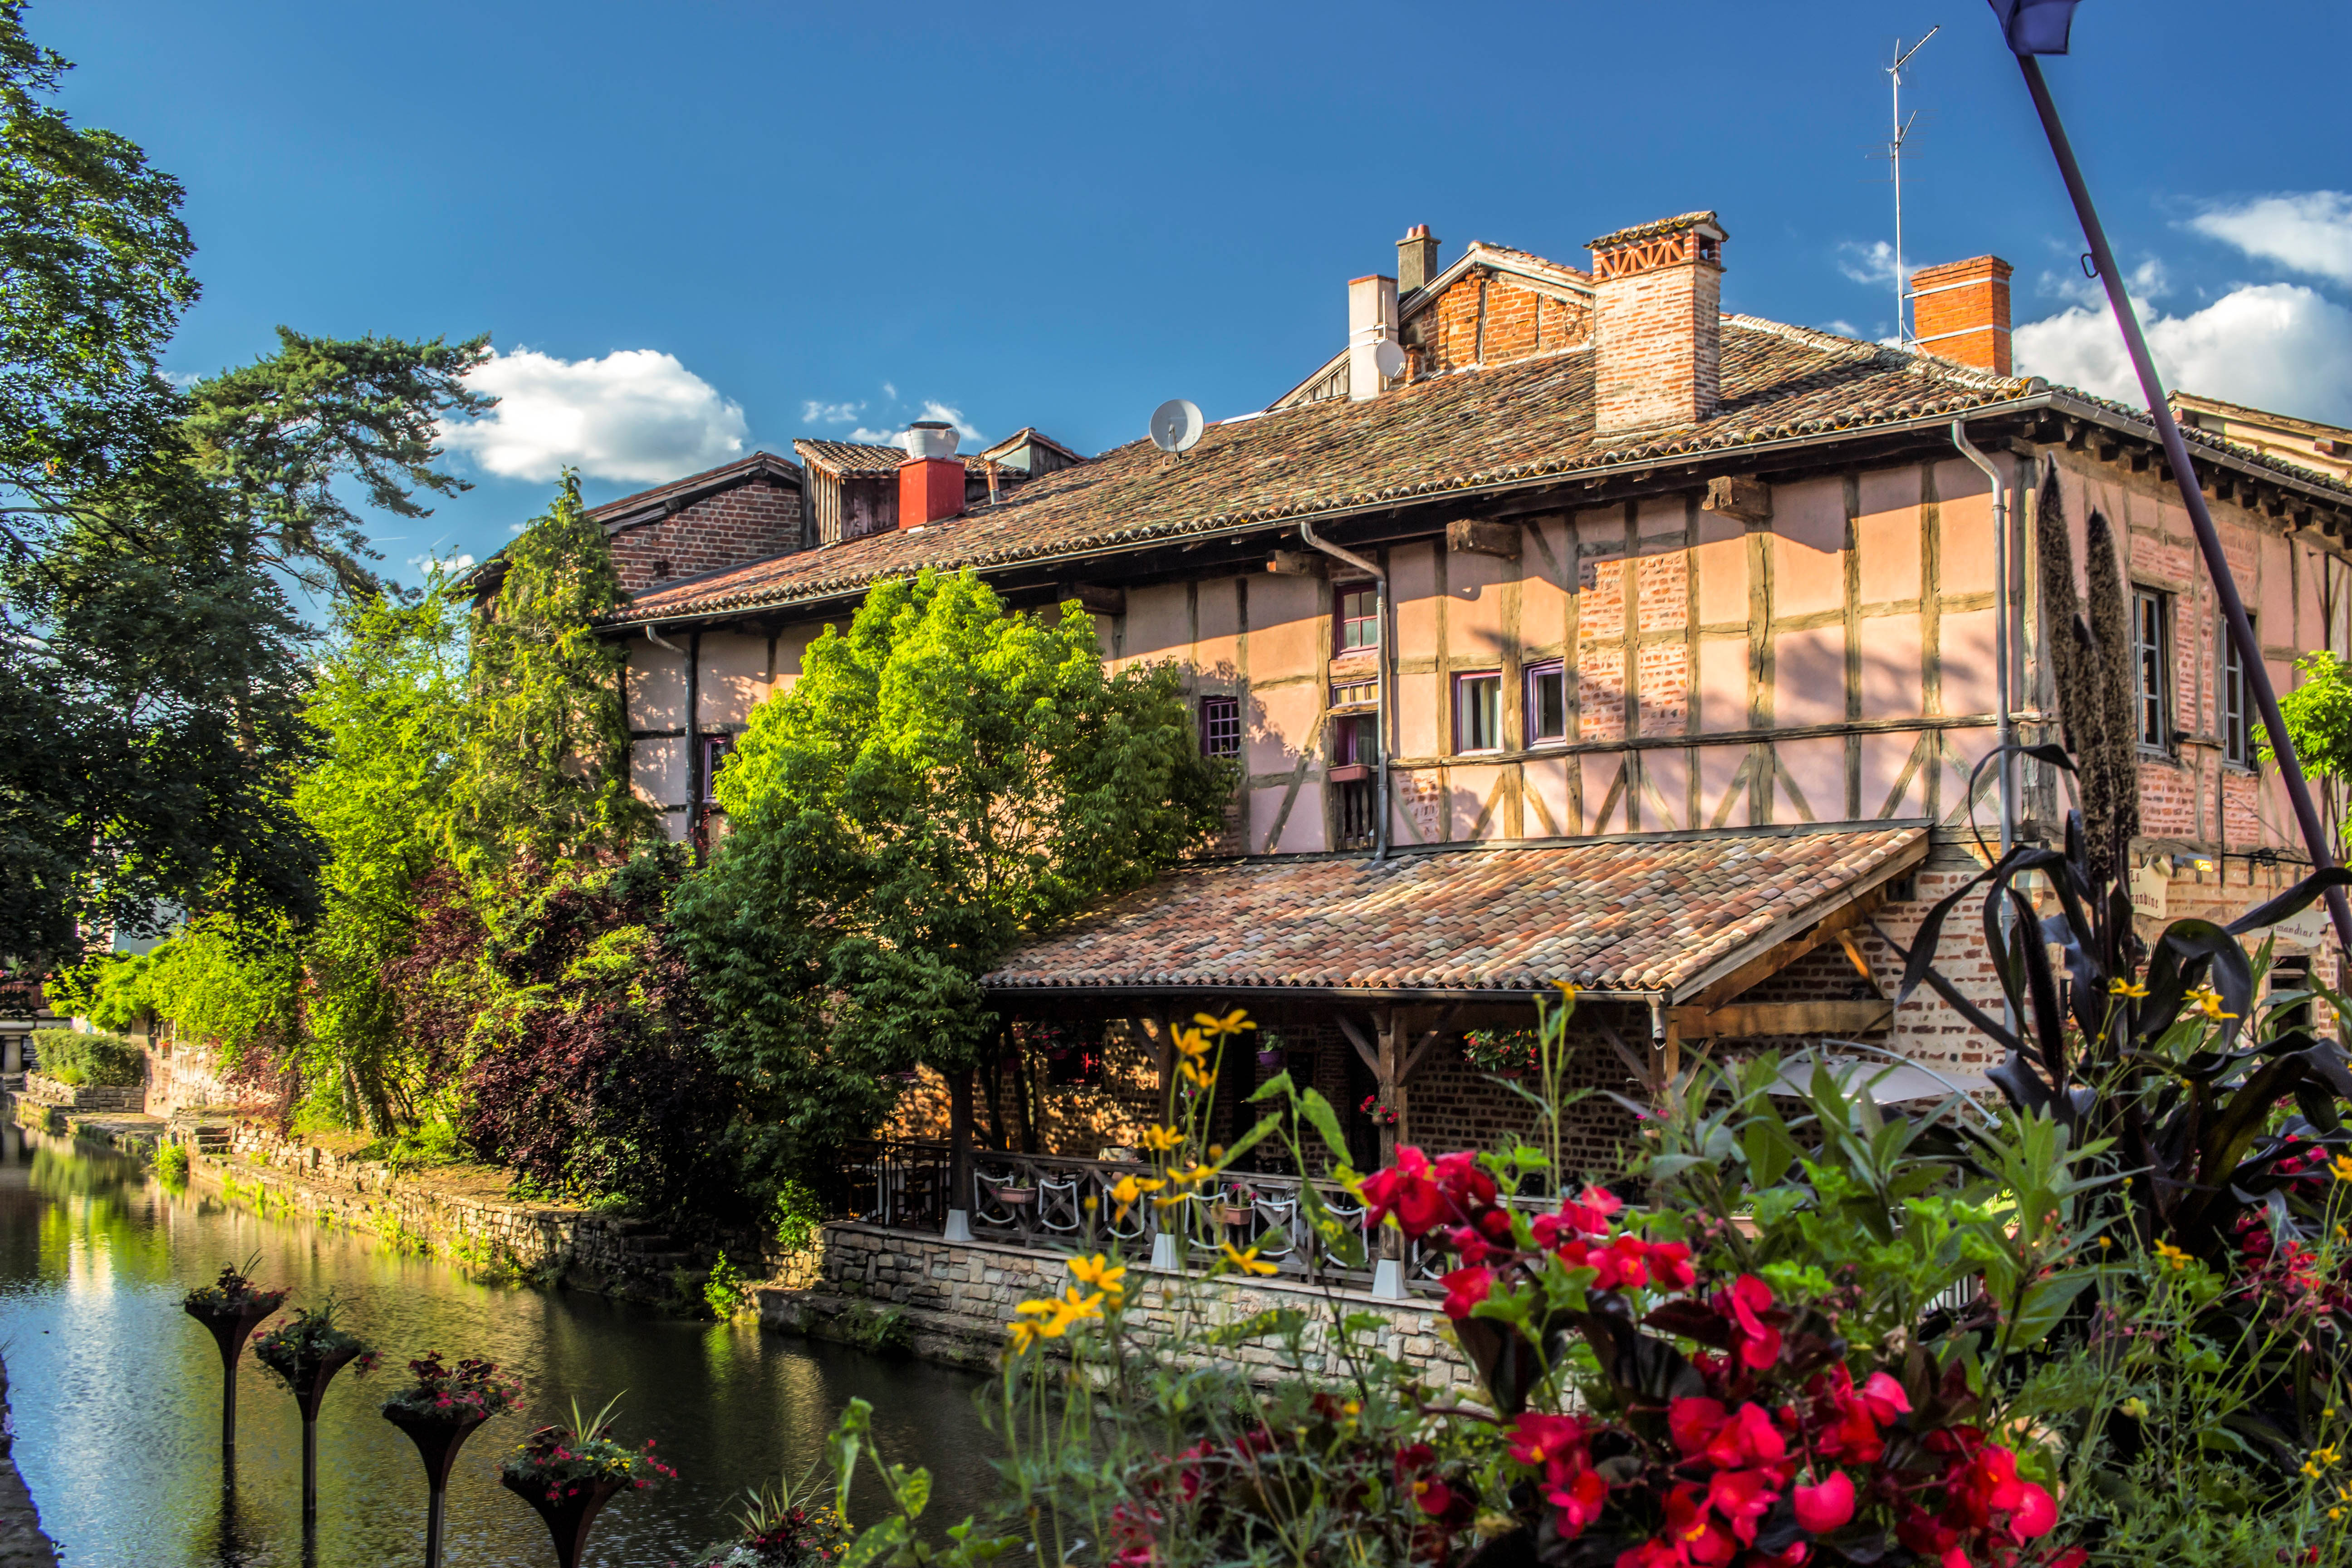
{"type": "Point", "coordinates": [95, 1058]}
{"type": "Point", "coordinates": [171, 1165]}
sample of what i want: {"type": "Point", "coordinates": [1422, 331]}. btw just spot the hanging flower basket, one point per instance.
{"type": "Point", "coordinates": [1505, 1053]}
{"type": "Point", "coordinates": [1382, 1113]}
{"type": "Point", "coordinates": [231, 1308]}
{"type": "Point", "coordinates": [1273, 1050]}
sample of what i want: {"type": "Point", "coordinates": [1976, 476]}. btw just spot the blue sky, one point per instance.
{"type": "Point", "coordinates": [697, 229]}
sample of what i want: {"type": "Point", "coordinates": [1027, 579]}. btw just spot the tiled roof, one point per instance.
{"type": "Point", "coordinates": [1622, 914]}
{"type": "Point", "coordinates": [1642, 231]}
{"type": "Point", "coordinates": [860, 457]}
{"type": "Point", "coordinates": [1517, 422]}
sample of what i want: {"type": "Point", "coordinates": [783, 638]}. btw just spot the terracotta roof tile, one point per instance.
{"type": "Point", "coordinates": [1622, 914]}
{"type": "Point", "coordinates": [1520, 421]}
{"type": "Point", "coordinates": [862, 458]}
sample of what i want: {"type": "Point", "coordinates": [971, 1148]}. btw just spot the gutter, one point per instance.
{"type": "Point", "coordinates": [2005, 731]}
{"type": "Point", "coordinates": [1654, 1000]}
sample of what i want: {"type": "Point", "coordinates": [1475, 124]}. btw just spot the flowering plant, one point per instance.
{"type": "Point", "coordinates": [296, 1348]}
{"type": "Point", "coordinates": [1382, 1113]}
{"type": "Point", "coordinates": [474, 1389]}
{"type": "Point", "coordinates": [1511, 1052]}
{"type": "Point", "coordinates": [786, 1527]}
{"type": "Point", "coordinates": [580, 1457]}
{"type": "Point", "coordinates": [233, 1294]}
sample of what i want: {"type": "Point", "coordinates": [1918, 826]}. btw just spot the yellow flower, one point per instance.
{"type": "Point", "coordinates": [1193, 1177]}
{"type": "Point", "coordinates": [1193, 1075]}
{"type": "Point", "coordinates": [2135, 1408]}
{"type": "Point", "coordinates": [1189, 1044]}
{"type": "Point", "coordinates": [2207, 1001]}
{"type": "Point", "coordinates": [2342, 1166]}
{"type": "Point", "coordinates": [2172, 1254]}
{"type": "Point", "coordinates": [1160, 1139]}
{"type": "Point", "coordinates": [1019, 1336]}
{"type": "Point", "coordinates": [2326, 1459]}
{"type": "Point", "coordinates": [1567, 988]}
{"type": "Point", "coordinates": [1101, 1274]}
{"type": "Point", "coordinates": [1233, 1023]}
{"type": "Point", "coordinates": [1129, 1188]}
{"type": "Point", "coordinates": [1247, 1262]}
{"type": "Point", "coordinates": [1056, 1318]}
{"type": "Point", "coordinates": [2334, 1514]}
{"type": "Point", "coordinates": [2132, 989]}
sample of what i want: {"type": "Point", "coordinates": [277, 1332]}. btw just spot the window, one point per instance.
{"type": "Point", "coordinates": [1355, 757]}
{"type": "Point", "coordinates": [1478, 712]}
{"type": "Point", "coordinates": [1356, 607]}
{"type": "Point", "coordinates": [1221, 726]}
{"type": "Point", "coordinates": [1357, 741]}
{"type": "Point", "coordinates": [1547, 702]}
{"type": "Point", "coordinates": [2237, 728]}
{"type": "Point", "coordinates": [716, 749]}
{"type": "Point", "coordinates": [2152, 667]}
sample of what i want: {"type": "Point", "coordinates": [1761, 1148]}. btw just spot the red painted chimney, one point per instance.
{"type": "Point", "coordinates": [1960, 310]}
{"type": "Point", "coordinates": [930, 481]}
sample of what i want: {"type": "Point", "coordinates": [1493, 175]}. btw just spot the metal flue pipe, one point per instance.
{"type": "Point", "coordinates": [2184, 473]}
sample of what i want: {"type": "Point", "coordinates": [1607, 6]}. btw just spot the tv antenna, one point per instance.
{"type": "Point", "coordinates": [1895, 152]}
{"type": "Point", "coordinates": [1176, 426]}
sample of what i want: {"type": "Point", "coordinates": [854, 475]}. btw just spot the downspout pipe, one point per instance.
{"type": "Point", "coordinates": [2184, 474]}
{"type": "Point", "coordinates": [2005, 734]}
{"type": "Point", "coordinates": [1388, 655]}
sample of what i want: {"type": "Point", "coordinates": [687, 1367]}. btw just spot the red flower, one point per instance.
{"type": "Point", "coordinates": [1742, 1497]}
{"type": "Point", "coordinates": [1423, 1196]}
{"type": "Point", "coordinates": [1537, 1439]}
{"type": "Point", "coordinates": [1827, 1505]}
{"type": "Point", "coordinates": [1465, 1288]}
{"type": "Point", "coordinates": [1580, 1498]}
{"type": "Point", "coordinates": [1743, 1303]}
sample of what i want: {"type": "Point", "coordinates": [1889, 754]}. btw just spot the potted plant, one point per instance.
{"type": "Point", "coordinates": [305, 1352]}
{"type": "Point", "coordinates": [570, 1473]}
{"type": "Point", "coordinates": [439, 1409]}
{"type": "Point", "coordinates": [1382, 1113]}
{"type": "Point", "coordinates": [232, 1307]}
{"type": "Point", "coordinates": [1273, 1049]}
{"type": "Point", "coordinates": [1018, 1195]}
{"type": "Point", "coordinates": [1506, 1053]}
{"type": "Point", "coordinates": [1236, 1205]}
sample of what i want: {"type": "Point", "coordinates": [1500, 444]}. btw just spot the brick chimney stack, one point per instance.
{"type": "Point", "coordinates": [1371, 322]}
{"type": "Point", "coordinates": [930, 481]}
{"type": "Point", "coordinates": [1657, 324]}
{"type": "Point", "coordinates": [1416, 258]}
{"type": "Point", "coordinates": [1960, 311]}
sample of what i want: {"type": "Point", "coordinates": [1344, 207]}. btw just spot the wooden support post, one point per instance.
{"type": "Point", "coordinates": [958, 1194]}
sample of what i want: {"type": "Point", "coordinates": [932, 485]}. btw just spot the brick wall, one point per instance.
{"type": "Point", "coordinates": [1519, 322]}
{"type": "Point", "coordinates": [1658, 341]}
{"type": "Point", "coordinates": [750, 521]}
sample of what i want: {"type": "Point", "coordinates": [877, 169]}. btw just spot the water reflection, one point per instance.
{"type": "Point", "coordinates": [116, 1393]}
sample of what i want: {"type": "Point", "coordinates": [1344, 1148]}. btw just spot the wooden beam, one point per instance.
{"type": "Point", "coordinates": [1467, 535]}
{"type": "Point", "coordinates": [1740, 496]}
{"type": "Point", "coordinates": [1296, 563]}
{"type": "Point", "coordinates": [1783, 1018]}
{"type": "Point", "coordinates": [1413, 1062]}
{"type": "Point", "coordinates": [1097, 599]}
{"type": "Point", "coordinates": [1845, 917]}
{"type": "Point", "coordinates": [1364, 1048]}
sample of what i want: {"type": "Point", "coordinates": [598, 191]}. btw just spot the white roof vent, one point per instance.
{"type": "Point", "coordinates": [931, 438]}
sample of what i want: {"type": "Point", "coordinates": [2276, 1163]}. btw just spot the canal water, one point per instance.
{"type": "Point", "coordinates": [116, 1391]}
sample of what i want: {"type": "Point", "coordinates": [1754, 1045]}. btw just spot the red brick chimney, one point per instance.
{"type": "Point", "coordinates": [1657, 333]}
{"type": "Point", "coordinates": [930, 481]}
{"type": "Point", "coordinates": [1960, 310]}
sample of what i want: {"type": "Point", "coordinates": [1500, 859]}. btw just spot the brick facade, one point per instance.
{"type": "Point", "coordinates": [750, 522]}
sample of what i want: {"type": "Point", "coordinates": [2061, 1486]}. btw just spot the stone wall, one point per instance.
{"type": "Point", "coordinates": [44, 1090]}
{"type": "Point", "coordinates": [955, 1300]}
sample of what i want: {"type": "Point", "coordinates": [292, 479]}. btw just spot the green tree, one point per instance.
{"type": "Point", "coordinates": [152, 667]}
{"type": "Point", "coordinates": [2318, 714]}
{"type": "Point", "coordinates": [545, 768]}
{"type": "Point", "coordinates": [942, 779]}
{"type": "Point", "coordinates": [390, 710]}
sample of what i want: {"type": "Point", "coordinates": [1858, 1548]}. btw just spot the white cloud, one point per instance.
{"type": "Point", "coordinates": [890, 391]}
{"type": "Point", "coordinates": [878, 437]}
{"type": "Point", "coordinates": [431, 562]}
{"type": "Point", "coordinates": [2278, 346]}
{"type": "Point", "coordinates": [636, 416]}
{"type": "Point", "coordinates": [947, 413]}
{"type": "Point", "coordinates": [1872, 263]}
{"type": "Point", "coordinates": [934, 409]}
{"type": "Point", "coordinates": [817, 413]}
{"type": "Point", "coordinates": [2307, 231]}
{"type": "Point", "coordinates": [1843, 328]}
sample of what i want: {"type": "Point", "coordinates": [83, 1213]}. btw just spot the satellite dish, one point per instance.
{"type": "Point", "coordinates": [1388, 359]}
{"type": "Point", "coordinates": [1176, 426]}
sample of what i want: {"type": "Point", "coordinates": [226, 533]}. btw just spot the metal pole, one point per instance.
{"type": "Point", "coordinates": [310, 1473]}
{"type": "Point", "coordinates": [2184, 474]}
{"type": "Point", "coordinates": [433, 1508]}
{"type": "Point", "coordinates": [228, 1408]}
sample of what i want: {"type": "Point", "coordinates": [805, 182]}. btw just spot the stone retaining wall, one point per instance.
{"type": "Point", "coordinates": [46, 1090]}
{"type": "Point", "coordinates": [953, 1300]}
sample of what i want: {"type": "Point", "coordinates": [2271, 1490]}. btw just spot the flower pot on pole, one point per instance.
{"type": "Point", "coordinates": [571, 1514]}
{"type": "Point", "coordinates": [437, 1440]}
{"type": "Point", "coordinates": [306, 1352]}
{"type": "Point", "coordinates": [232, 1308]}
{"type": "Point", "coordinates": [568, 1474]}
{"type": "Point", "coordinates": [439, 1410]}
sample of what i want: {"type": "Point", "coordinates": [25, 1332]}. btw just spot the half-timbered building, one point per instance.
{"type": "Point", "coordinates": [1613, 641]}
